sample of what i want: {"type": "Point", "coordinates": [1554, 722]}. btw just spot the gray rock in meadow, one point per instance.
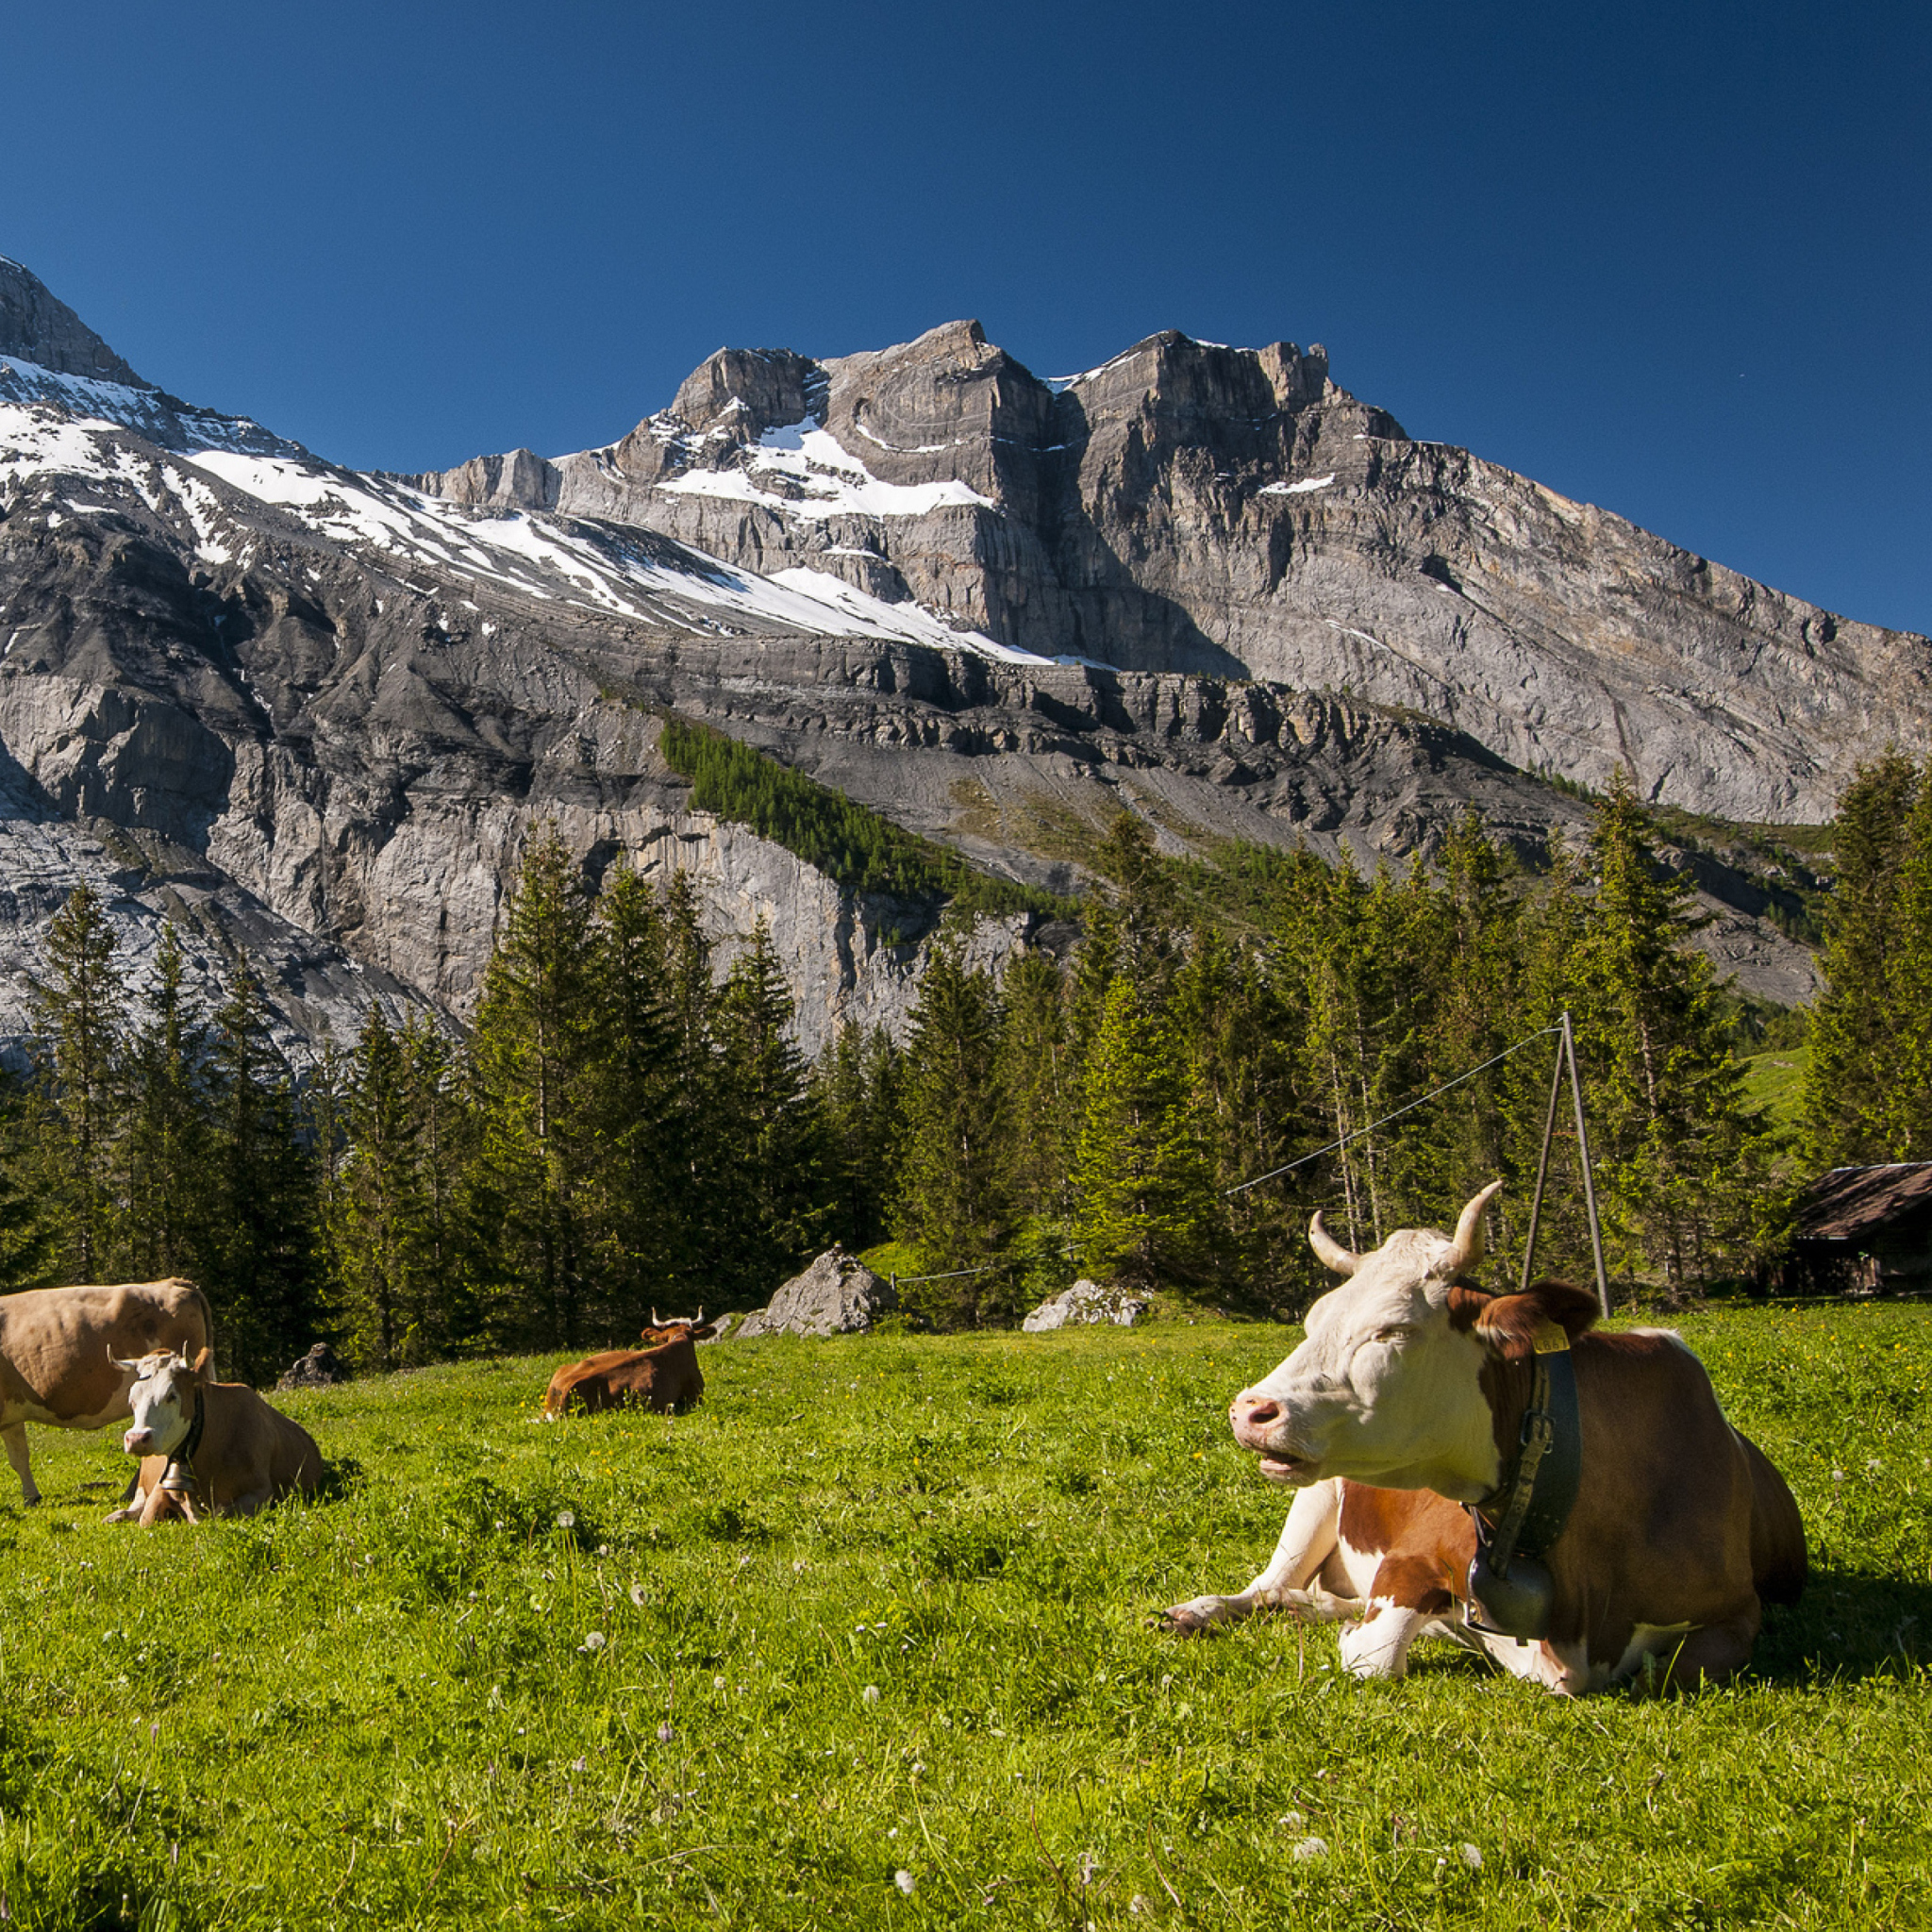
{"type": "Point", "coordinates": [320, 1368]}
{"type": "Point", "coordinates": [1087, 1301]}
{"type": "Point", "coordinates": [837, 1295]}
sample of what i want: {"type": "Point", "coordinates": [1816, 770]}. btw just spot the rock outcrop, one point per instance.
{"type": "Point", "coordinates": [836, 1295]}
{"type": "Point", "coordinates": [1085, 1302]}
{"type": "Point", "coordinates": [320, 1368]}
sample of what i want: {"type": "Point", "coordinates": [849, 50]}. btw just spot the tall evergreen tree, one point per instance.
{"type": "Point", "coordinates": [1145, 1198]}
{"type": "Point", "coordinates": [381, 1215]}
{"type": "Point", "coordinates": [1676, 1134]}
{"type": "Point", "coordinates": [259, 1244]}
{"type": "Point", "coordinates": [855, 1088]}
{"type": "Point", "coordinates": [167, 1131]}
{"type": "Point", "coordinates": [771, 1126]}
{"type": "Point", "coordinates": [954, 1205]}
{"type": "Point", "coordinates": [537, 1045]}
{"type": "Point", "coordinates": [80, 1011]}
{"type": "Point", "coordinates": [1849, 1115]}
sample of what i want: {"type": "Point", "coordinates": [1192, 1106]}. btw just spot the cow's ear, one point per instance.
{"type": "Point", "coordinates": [199, 1365]}
{"type": "Point", "coordinates": [1508, 1322]}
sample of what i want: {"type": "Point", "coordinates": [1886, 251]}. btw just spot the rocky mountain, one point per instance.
{"type": "Point", "coordinates": [311, 714]}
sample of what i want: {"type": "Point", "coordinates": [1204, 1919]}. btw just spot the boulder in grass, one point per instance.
{"type": "Point", "coordinates": [1087, 1301]}
{"type": "Point", "coordinates": [837, 1295]}
{"type": "Point", "coordinates": [320, 1368]}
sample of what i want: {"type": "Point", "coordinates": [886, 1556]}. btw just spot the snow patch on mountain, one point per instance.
{"type": "Point", "coordinates": [818, 477]}
{"type": "Point", "coordinates": [149, 413]}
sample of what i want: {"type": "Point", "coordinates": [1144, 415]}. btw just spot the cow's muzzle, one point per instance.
{"type": "Point", "coordinates": [138, 1442]}
{"type": "Point", "coordinates": [1261, 1425]}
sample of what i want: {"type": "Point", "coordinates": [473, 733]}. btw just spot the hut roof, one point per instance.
{"type": "Point", "coordinates": [1851, 1204]}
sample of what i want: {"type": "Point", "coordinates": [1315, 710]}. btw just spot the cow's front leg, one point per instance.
{"type": "Point", "coordinates": [248, 1501]}
{"type": "Point", "coordinates": [1308, 1539]}
{"type": "Point", "coordinates": [14, 1433]}
{"type": "Point", "coordinates": [1405, 1595]}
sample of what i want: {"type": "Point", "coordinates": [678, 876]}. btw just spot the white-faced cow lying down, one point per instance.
{"type": "Point", "coordinates": [55, 1350]}
{"type": "Point", "coordinates": [1409, 1399]}
{"type": "Point", "coordinates": [662, 1376]}
{"type": "Point", "coordinates": [209, 1447]}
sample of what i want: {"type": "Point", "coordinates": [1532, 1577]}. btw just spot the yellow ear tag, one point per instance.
{"type": "Point", "coordinates": [1551, 1338]}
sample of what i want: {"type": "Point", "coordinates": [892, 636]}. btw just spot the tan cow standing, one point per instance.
{"type": "Point", "coordinates": [663, 1375]}
{"type": "Point", "coordinates": [209, 1447]}
{"type": "Point", "coordinates": [55, 1350]}
{"type": "Point", "coordinates": [1406, 1400]}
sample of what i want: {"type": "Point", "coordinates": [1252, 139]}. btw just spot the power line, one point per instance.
{"type": "Point", "coordinates": [1435, 1093]}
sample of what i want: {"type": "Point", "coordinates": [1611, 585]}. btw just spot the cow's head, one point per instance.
{"type": "Point", "coordinates": [676, 1327]}
{"type": "Point", "coordinates": [1388, 1388]}
{"type": "Point", "coordinates": [162, 1399]}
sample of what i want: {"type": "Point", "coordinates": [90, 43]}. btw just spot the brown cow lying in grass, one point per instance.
{"type": "Point", "coordinates": [1403, 1411]}
{"type": "Point", "coordinates": [662, 1376]}
{"type": "Point", "coordinates": [209, 1447]}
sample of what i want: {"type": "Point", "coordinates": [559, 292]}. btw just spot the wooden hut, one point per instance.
{"type": "Point", "coordinates": [1866, 1230]}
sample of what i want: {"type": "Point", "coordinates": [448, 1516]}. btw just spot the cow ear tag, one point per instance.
{"type": "Point", "coordinates": [1551, 1338]}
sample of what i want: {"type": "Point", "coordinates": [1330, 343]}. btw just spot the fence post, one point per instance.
{"type": "Point", "coordinates": [1542, 1166]}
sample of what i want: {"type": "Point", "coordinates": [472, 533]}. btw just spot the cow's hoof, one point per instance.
{"type": "Point", "coordinates": [1184, 1620]}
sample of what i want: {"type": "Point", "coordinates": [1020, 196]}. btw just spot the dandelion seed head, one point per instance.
{"type": "Point", "coordinates": [871, 1693]}
{"type": "Point", "coordinates": [906, 1882]}
{"type": "Point", "coordinates": [566, 1519]}
{"type": "Point", "coordinates": [1472, 1857]}
{"type": "Point", "coordinates": [595, 1641]}
{"type": "Point", "coordinates": [717, 1683]}
{"type": "Point", "coordinates": [1293, 1819]}
{"type": "Point", "coordinates": [1304, 1850]}
{"type": "Point", "coordinates": [665, 1732]}
{"type": "Point", "coordinates": [636, 1595]}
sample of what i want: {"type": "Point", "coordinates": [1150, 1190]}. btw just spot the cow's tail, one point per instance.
{"type": "Point", "coordinates": [1779, 1566]}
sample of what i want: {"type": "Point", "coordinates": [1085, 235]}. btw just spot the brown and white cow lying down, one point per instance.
{"type": "Point", "coordinates": [240, 1453]}
{"type": "Point", "coordinates": [662, 1376]}
{"type": "Point", "coordinates": [56, 1345]}
{"type": "Point", "coordinates": [1405, 1401]}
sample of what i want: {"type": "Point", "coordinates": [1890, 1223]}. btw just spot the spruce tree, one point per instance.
{"type": "Point", "coordinates": [954, 1206]}
{"type": "Point", "coordinates": [259, 1244]}
{"type": "Point", "coordinates": [380, 1216]}
{"type": "Point", "coordinates": [536, 1044]}
{"type": "Point", "coordinates": [1903, 1079]}
{"type": "Point", "coordinates": [167, 1132]}
{"type": "Point", "coordinates": [1145, 1206]}
{"type": "Point", "coordinates": [855, 1087]}
{"type": "Point", "coordinates": [770, 1182]}
{"type": "Point", "coordinates": [1851, 1116]}
{"type": "Point", "coordinates": [80, 1014]}
{"type": "Point", "coordinates": [1675, 1137]}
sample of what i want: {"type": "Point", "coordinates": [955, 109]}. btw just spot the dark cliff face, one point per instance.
{"type": "Point", "coordinates": [313, 715]}
{"type": "Point", "coordinates": [40, 329]}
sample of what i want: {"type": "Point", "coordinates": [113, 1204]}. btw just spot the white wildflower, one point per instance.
{"type": "Point", "coordinates": [1309, 1848]}
{"type": "Point", "coordinates": [603, 1549]}
{"type": "Point", "coordinates": [918, 1769]}
{"type": "Point", "coordinates": [593, 1642]}
{"type": "Point", "coordinates": [566, 1519]}
{"type": "Point", "coordinates": [1472, 1857]}
{"type": "Point", "coordinates": [906, 1882]}
{"type": "Point", "coordinates": [870, 1694]}
{"type": "Point", "coordinates": [636, 1595]}
{"type": "Point", "coordinates": [1293, 1819]}
{"type": "Point", "coordinates": [717, 1683]}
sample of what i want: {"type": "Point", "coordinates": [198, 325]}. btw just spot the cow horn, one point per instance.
{"type": "Point", "coordinates": [1466, 1250]}
{"type": "Point", "coordinates": [655, 1322]}
{"type": "Point", "coordinates": [1328, 1251]}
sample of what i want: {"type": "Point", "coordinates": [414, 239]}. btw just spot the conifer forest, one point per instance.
{"type": "Point", "coordinates": [626, 1127]}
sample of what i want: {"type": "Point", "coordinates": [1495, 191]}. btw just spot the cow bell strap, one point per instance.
{"type": "Point", "coordinates": [179, 1475]}
{"type": "Point", "coordinates": [1527, 1512]}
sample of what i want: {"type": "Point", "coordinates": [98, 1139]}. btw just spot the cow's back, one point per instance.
{"type": "Point", "coordinates": [56, 1341]}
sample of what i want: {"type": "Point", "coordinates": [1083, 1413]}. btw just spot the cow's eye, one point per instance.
{"type": "Point", "coordinates": [1395, 1332]}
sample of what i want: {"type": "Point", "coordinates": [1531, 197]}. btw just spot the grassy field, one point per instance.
{"type": "Point", "coordinates": [1776, 1081]}
{"type": "Point", "coordinates": [880, 1608]}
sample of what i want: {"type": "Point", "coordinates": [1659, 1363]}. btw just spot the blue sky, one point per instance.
{"type": "Point", "coordinates": [1670, 259]}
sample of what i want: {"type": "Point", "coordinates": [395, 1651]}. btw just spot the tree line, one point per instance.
{"type": "Point", "coordinates": [627, 1127]}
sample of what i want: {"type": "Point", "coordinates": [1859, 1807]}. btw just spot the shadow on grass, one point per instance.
{"type": "Point", "coordinates": [1849, 1624]}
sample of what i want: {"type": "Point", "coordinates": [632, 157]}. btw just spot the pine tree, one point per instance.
{"type": "Point", "coordinates": [1145, 1203]}
{"type": "Point", "coordinates": [700, 1240]}
{"type": "Point", "coordinates": [771, 1128]}
{"type": "Point", "coordinates": [533, 1057]}
{"type": "Point", "coordinates": [167, 1146]}
{"type": "Point", "coordinates": [635, 1099]}
{"type": "Point", "coordinates": [259, 1243]}
{"type": "Point", "coordinates": [1676, 1136]}
{"type": "Point", "coordinates": [1903, 1079]}
{"type": "Point", "coordinates": [80, 1011]}
{"type": "Point", "coordinates": [29, 1227]}
{"type": "Point", "coordinates": [855, 1088]}
{"type": "Point", "coordinates": [1850, 1114]}
{"type": "Point", "coordinates": [380, 1214]}
{"type": "Point", "coordinates": [954, 1207]}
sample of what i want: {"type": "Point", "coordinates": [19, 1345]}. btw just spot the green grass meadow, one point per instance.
{"type": "Point", "coordinates": [881, 1606]}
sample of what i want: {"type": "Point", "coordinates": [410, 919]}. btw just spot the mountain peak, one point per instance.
{"type": "Point", "coordinates": [39, 328]}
